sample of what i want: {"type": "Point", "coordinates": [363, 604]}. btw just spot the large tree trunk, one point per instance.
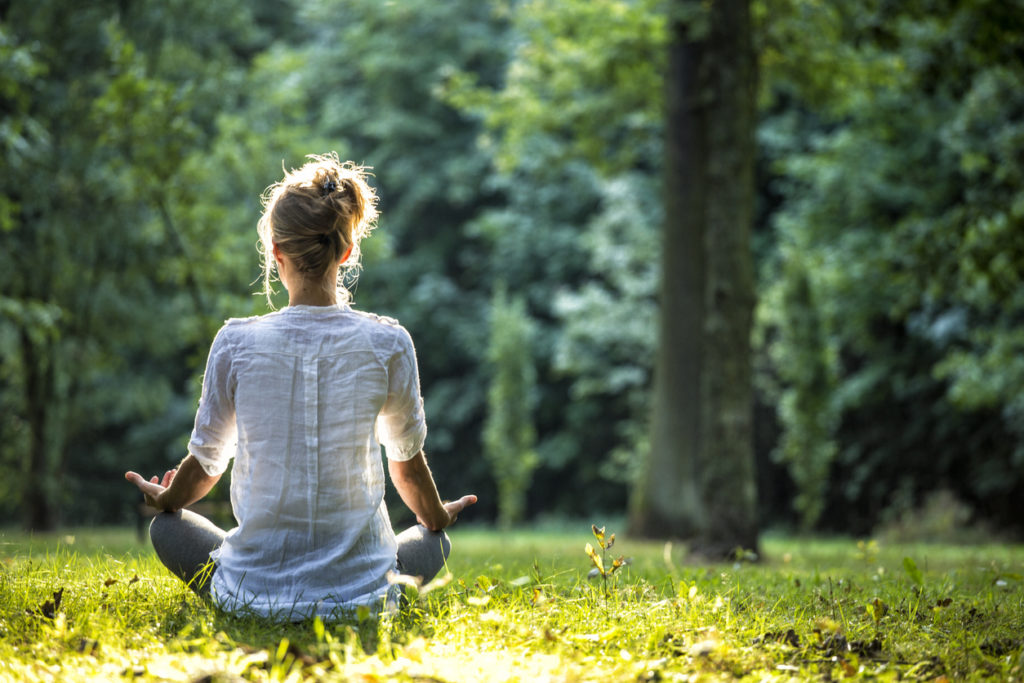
{"type": "Point", "coordinates": [698, 482]}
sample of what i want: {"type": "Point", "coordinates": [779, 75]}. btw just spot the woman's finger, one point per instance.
{"type": "Point", "coordinates": [457, 506]}
{"type": "Point", "coordinates": [148, 488]}
{"type": "Point", "coordinates": [138, 479]}
{"type": "Point", "coordinates": [462, 503]}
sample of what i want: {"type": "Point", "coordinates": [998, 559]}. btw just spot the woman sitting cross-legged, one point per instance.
{"type": "Point", "coordinates": [302, 398]}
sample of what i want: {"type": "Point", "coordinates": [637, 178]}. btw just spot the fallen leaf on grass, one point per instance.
{"type": "Point", "coordinates": [849, 670]}
{"type": "Point", "coordinates": [788, 637]}
{"type": "Point", "coordinates": [368, 678]}
{"type": "Point", "coordinates": [49, 608]}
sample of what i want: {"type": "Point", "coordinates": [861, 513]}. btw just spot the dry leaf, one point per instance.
{"type": "Point", "coordinates": [49, 608]}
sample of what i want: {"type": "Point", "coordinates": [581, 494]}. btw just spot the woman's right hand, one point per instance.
{"type": "Point", "coordinates": [153, 488]}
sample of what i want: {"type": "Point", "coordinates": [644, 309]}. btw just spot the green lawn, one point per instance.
{"type": "Point", "coordinates": [519, 606]}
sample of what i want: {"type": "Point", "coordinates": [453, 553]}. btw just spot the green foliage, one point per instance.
{"type": "Point", "coordinates": [814, 611]}
{"type": "Point", "coordinates": [804, 366]}
{"type": "Point", "coordinates": [110, 106]}
{"type": "Point", "coordinates": [607, 342]}
{"type": "Point", "coordinates": [509, 435]}
{"type": "Point", "coordinates": [584, 75]}
{"type": "Point", "coordinates": [900, 205]}
{"type": "Point", "coordinates": [575, 130]}
{"type": "Point", "coordinates": [910, 567]}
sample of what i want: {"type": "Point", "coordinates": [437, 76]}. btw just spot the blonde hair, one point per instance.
{"type": "Point", "coordinates": [313, 215]}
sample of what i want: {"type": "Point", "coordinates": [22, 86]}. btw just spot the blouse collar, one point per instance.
{"type": "Point", "coordinates": [306, 308]}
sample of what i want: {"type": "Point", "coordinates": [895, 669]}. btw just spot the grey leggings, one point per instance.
{"type": "Point", "coordinates": [184, 540]}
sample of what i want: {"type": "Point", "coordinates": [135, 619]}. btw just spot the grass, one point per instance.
{"type": "Point", "coordinates": [520, 607]}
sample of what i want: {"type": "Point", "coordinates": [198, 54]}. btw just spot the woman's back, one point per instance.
{"type": "Point", "coordinates": [308, 384]}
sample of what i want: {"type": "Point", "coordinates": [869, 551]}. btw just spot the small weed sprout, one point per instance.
{"type": "Point", "coordinates": [601, 567]}
{"type": "Point", "coordinates": [867, 551]}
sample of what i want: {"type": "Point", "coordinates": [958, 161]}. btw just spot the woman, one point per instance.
{"type": "Point", "coordinates": [302, 398]}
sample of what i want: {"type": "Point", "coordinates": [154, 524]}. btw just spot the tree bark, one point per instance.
{"type": "Point", "coordinates": [698, 480]}
{"type": "Point", "coordinates": [39, 504]}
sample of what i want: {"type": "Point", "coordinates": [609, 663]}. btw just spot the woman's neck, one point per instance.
{"type": "Point", "coordinates": [312, 296]}
{"type": "Point", "coordinates": [306, 292]}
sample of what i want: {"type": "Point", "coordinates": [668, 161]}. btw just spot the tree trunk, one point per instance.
{"type": "Point", "coordinates": [39, 506]}
{"type": "Point", "coordinates": [698, 481]}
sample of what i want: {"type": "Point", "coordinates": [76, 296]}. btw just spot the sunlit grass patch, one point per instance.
{"type": "Point", "coordinates": [519, 606]}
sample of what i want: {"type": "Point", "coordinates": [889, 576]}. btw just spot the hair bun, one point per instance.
{"type": "Point", "coordinates": [316, 215]}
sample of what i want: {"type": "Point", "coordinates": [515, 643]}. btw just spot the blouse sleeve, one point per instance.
{"type": "Point", "coordinates": [215, 431]}
{"type": "Point", "coordinates": [401, 424]}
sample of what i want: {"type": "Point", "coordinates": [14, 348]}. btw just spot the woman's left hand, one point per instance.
{"type": "Point", "coordinates": [456, 506]}
{"type": "Point", "coordinates": [453, 508]}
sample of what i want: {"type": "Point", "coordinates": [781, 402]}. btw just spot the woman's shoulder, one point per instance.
{"type": "Point", "coordinates": [235, 329]}
{"type": "Point", "coordinates": [375, 319]}
{"type": "Point", "coordinates": [387, 330]}
{"type": "Point", "coordinates": [248, 320]}
{"type": "Point", "coordinates": [232, 324]}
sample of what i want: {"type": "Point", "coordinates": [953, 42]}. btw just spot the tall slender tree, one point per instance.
{"type": "Point", "coordinates": [698, 480]}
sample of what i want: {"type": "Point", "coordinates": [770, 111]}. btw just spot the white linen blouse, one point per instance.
{"type": "Point", "coordinates": [302, 398]}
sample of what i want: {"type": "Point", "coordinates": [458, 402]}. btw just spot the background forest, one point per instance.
{"type": "Point", "coordinates": [517, 149]}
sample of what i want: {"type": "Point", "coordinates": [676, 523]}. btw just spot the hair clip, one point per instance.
{"type": "Point", "coordinates": [328, 187]}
